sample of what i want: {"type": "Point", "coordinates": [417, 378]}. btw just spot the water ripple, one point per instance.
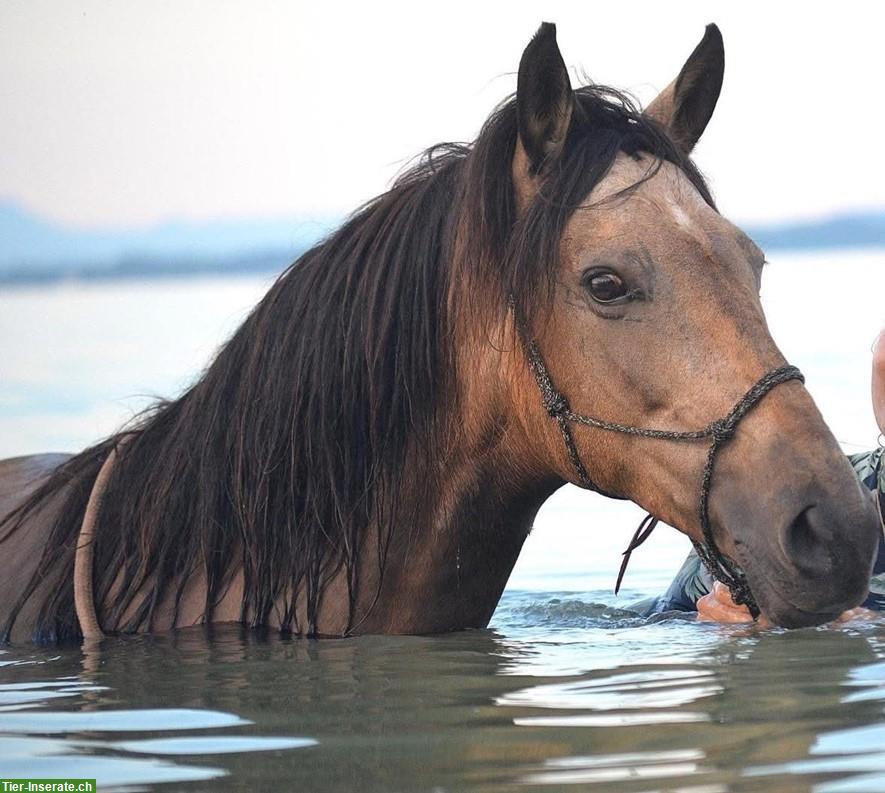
{"type": "Point", "coordinates": [54, 722]}
{"type": "Point", "coordinates": [654, 688]}
{"type": "Point", "coordinates": [635, 766]}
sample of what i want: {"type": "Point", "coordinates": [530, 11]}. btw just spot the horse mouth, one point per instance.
{"type": "Point", "coordinates": [794, 617]}
{"type": "Point", "coordinates": [779, 609]}
{"type": "Point", "coordinates": [787, 615]}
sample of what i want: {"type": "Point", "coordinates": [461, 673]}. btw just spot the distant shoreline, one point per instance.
{"type": "Point", "coordinates": [169, 269]}
{"type": "Point", "coordinates": [35, 251]}
{"type": "Point", "coordinates": [166, 269]}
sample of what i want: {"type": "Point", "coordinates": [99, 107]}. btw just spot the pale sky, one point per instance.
{"type": "Point", "coordinates": [131, 113]}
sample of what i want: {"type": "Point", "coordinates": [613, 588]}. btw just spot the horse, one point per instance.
{"type": "Point", "coordinates": [558, 301]}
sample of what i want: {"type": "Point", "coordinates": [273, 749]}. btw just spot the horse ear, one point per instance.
{"type": "Point", "coordinates": [544, 104]}
{"type": "Point", "coordinates": [685, 106]}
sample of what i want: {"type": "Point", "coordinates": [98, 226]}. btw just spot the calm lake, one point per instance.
{"type": "Point", "coordinates": [566, 690]}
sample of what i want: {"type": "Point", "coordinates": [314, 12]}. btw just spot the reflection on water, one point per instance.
{"type": "Point", "coordinates": [614, 704]}
{"type": "Point", "coordinates": [622, 768]}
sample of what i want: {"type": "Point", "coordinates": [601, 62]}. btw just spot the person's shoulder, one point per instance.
{"type": "Point", "coordinates": [863, 460]}
{"type": "Point", "coordinates": [867, 466]}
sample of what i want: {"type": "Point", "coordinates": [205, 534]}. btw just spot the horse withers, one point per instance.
{"type": "Point", "coordinates": [369, 450]}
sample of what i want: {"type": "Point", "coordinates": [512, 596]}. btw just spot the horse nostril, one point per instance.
{"type": "Point", "coordinates": [827, 559]}
{"type": "Point", "coordinates": [803, 544]}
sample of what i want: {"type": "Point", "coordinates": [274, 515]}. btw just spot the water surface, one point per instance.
{"type": "Point", "coordinates": [563, 691]}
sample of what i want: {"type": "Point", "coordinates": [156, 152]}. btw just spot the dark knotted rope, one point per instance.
{"type": "Point", "coordinates": [719, 432]}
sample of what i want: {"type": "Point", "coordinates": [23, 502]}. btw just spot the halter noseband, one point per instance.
{"type": "Point", "coordinates": [719, 432]}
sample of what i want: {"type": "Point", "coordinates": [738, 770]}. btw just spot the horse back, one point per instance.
{"type": "Point", "coordinates": [20, 551]}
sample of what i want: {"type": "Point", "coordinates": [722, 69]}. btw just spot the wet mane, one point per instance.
{"type": "Point", "coordinates": [294, 440]}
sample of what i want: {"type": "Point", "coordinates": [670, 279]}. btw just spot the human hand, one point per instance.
{"type": "Point", "coordinates": [718, 606]}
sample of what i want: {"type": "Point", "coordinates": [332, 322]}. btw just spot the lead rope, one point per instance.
{"type": "Point", "coordinates": [84, 555]}
{"type": "Point", "coordinates": [719, 432]}
{"type": "Point", "coordinates": [880, 497]}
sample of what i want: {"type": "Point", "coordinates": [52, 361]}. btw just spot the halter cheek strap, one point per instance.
{"type": "Point", "coordinates": [718, 432]}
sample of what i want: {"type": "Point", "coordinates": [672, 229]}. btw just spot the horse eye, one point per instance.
{"type": "Point", "coordinates": [605, 286]}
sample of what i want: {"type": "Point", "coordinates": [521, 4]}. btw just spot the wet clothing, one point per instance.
{"type": "Point", "coordinates": [693, 580]}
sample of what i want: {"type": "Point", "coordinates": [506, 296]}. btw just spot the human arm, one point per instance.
{"type": "Point", "coordinates": [878, 380]}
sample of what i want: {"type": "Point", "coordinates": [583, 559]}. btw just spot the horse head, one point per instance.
{"type": "Point", "coordinates": [653, 320]}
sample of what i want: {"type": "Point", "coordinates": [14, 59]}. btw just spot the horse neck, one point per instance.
{"type": "Point", "coordinates": [464, 503]}
{"type": "Point", "coordinates": [450, 561]}
{"type": "Point", "coordinates": [446, 570]}
{"type": "Point", "coordinates": [461, 523]}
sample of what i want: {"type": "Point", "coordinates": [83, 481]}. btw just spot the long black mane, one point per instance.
{"type": "Point", "coordinates": [294, 440]}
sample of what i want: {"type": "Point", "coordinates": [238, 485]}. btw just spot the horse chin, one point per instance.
{"type": "Point", "coordinates": [786, 615]}
{"type": "Point", "coordinates": [782, 611]}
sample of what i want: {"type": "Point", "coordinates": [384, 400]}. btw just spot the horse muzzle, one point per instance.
{"type": "Point", "coordinates": [815, 559]}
